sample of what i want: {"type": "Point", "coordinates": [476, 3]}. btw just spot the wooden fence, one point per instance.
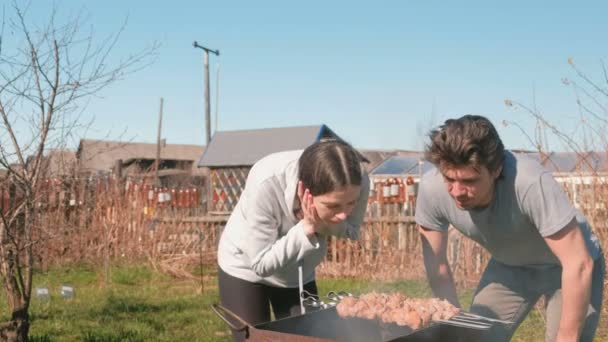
{"type": "Point", "coordinates": [388, 248]}
{"type": "Point", "coordinates": [102, 221]}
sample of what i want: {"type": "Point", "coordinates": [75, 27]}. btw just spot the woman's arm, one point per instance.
{"type": "Point", "coordinates": [260, 239]}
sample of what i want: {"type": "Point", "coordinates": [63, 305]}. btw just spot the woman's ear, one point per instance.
{"type": "Point", "coordinates": [497, 172]}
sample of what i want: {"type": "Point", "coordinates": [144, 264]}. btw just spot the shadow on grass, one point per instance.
{"type": "Point", "coordinates": [123, 335]}
{"type": "Point", "coordinates": [118, 305]}
{"type": "Point", "coordinates": [40, 338]}
{"type": "Point", "coordinates": [152, 316]}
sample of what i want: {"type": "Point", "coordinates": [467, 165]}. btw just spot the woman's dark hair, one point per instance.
{"type": "Point", "coordinates": [470, 140]}
{"type": "Point", "coordinates": [329, 165]}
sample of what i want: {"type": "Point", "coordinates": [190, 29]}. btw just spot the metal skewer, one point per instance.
{"type": "Point", "coordinates": [483, 318]}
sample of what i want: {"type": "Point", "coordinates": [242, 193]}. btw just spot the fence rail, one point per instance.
{"type": "Point", "coordinates": [116, 229]}
{"type": "Point", "coordinates": [110, 222]}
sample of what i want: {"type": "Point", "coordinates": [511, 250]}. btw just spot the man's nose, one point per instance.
{"type": "Point", "coordinates": [457, 189]}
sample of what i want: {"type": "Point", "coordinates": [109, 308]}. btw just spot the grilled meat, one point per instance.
{"type": "Point", "coordinates": [397, 308]}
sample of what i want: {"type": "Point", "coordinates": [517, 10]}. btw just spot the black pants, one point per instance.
{"type": "Point", "coordinates": [252, 301]}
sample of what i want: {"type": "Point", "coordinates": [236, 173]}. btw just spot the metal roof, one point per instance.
{"type": "Point", "coordinates": [555, 162]}
{"type": "Point", "coordinates": [376, 157]}
{"type": "Point", "coordinates": [407, 164]}
{"type": "Point", "coordinates": [245, 147]}
{"type": "Point", "coordinates": [572, 161]}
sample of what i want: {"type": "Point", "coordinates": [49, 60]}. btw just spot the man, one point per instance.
{"type": "Point", "coordinates": [539, 243]}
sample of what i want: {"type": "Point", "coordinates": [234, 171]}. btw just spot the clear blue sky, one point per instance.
{"type": "Point", "coordinates": [379, 73]}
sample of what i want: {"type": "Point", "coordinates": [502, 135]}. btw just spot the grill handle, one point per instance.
{"type": "Point", "coordinates": [226, 315]}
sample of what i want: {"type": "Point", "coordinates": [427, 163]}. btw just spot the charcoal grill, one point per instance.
{"type": "Point", "coordinates": [325, 325]}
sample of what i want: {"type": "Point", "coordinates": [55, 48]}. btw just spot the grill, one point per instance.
{"type": "Point", "coordinates": [323, 324]}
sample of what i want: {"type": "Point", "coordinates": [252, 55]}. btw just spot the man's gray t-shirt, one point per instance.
{"type": "Point", "coordinates": [528, 206]}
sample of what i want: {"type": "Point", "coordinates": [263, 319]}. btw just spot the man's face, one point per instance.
{"type": "Point", "coordinates": [469, 187]}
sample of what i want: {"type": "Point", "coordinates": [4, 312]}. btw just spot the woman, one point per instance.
{"type": "Point", "coordinates": [291, 202]}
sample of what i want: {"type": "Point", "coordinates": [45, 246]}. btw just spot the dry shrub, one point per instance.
{"type": "Point", "coordinates": [100, 221]}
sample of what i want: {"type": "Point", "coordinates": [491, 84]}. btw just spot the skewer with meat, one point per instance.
{"type": "Point", "coordinates": [397, 308]}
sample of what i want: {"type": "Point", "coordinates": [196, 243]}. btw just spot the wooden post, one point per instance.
{"type": "Point", "coordinates": [157, 163]}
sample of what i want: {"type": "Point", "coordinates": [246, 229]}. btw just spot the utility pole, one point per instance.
{"type": "Point", "coordinates": [157, 164]}
{"type": "Point", "coordinates": [207, 101]}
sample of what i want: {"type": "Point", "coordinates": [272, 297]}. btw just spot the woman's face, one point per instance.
{"type": "Point", "coordinates": [333, 207]}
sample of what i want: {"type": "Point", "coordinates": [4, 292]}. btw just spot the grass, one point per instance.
{"type": "Point", "coordinates": [135, 304]}
{"type": "Point", "coordinates": [138, 304]}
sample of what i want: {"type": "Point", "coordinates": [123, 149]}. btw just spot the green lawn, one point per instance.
{"type": "Point", "coordinates": [137, 304]}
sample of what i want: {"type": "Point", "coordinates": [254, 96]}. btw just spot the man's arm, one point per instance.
{"type": "Point", "coordinates": [434, 249]}
{"type": "Point", "coordinates": [577, 266]}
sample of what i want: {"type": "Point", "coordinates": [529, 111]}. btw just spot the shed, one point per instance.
{"type": "Point", "coordinates": [102, 156]}
{"type": "Point", "coordinates": [60, 163]}
{"type": "Point", "coordinates": [231, 154]}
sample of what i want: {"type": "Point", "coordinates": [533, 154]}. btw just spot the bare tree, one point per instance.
{"type": "Point", "coordinates": [590, 134]}
{"type": "Point", "coordinates": [47, 73]}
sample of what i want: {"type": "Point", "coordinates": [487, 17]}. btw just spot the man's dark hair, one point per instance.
{"type": "Point", "coordinates": [329, 165]}
{"type": "Point", "coordinates": [471, 140]}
